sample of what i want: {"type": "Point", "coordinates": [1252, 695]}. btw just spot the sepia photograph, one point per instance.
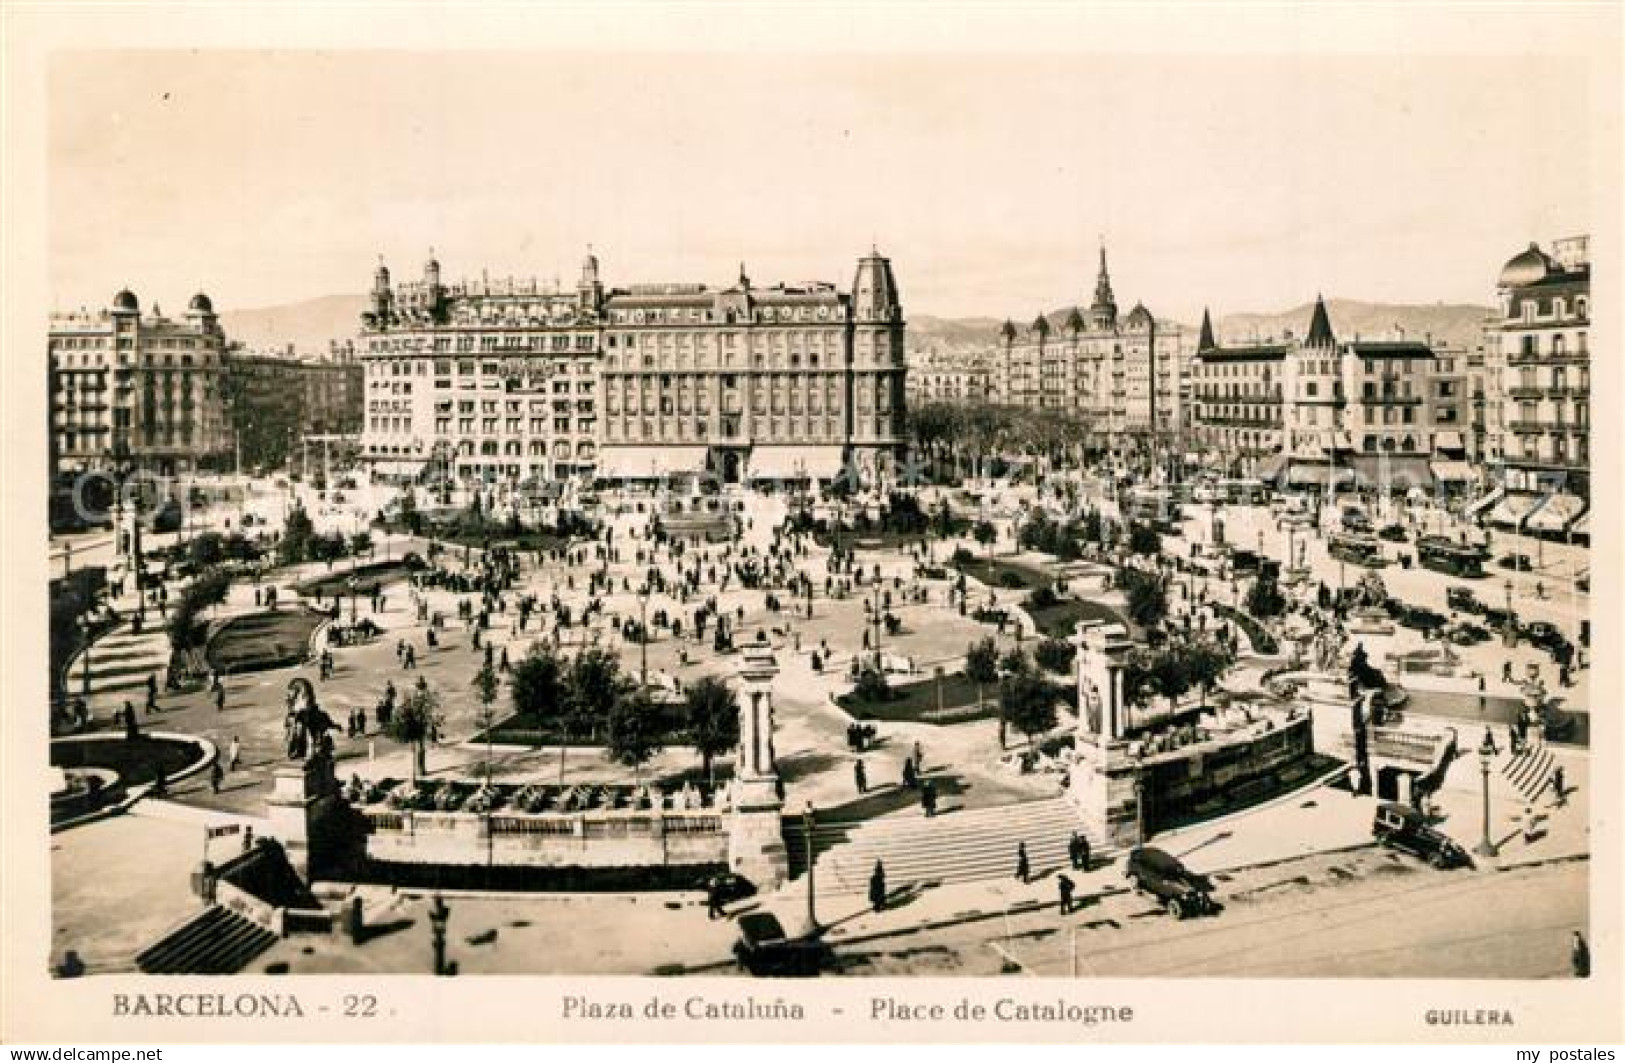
{"type": "Point", "coordinates": [957, 515]}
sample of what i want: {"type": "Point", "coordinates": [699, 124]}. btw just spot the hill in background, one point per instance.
{"type": "Point", "coordinates": [308, 324]}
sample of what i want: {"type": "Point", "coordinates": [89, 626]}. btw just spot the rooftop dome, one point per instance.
{"type": "Point", "coordinates": [1527, 267]}
{"type": "Point", "coordinates": [201, 303]}
{"type": "Point", "coordinates": [1140, 317]}
{"type": "Point", "coordinates": [125, 300]}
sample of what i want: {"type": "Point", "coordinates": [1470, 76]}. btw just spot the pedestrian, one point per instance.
{"type": "Point", "coordinates": [1506, 671]}
{"type": "Point", "coordinates": [910, 779]}
{"type": "Point", "coordinates": [1580, 956]}
{"type": "Point", "coordinates": [1024, 869]}
{"type": "Point", "coordinates": [234, 754]}
{"type": "Point", "coordinates": [713, 900]}
{"type": "Point", "coordinates": [919, 756]}
{"type": "Point", "coordinates": [860, 777]}
{"type": "Point", "coordinates": [216, 775]}
{"type": "Point", "coordinates": [1529, 823]}
{"type": "Point", "coordinates": [1559, 791]}
{"type": "Point", "coordinates": [928, 798]}
{"type": "Point", "coordinates": [1063, 882]}
{"type": "Point", "coordinates": [1489, 741]}
{"type": "Point", "coordinates": [877, 887]}
{"type": "Point", "coordinates": [1083, 853]}
{"type": "Point", "coordinates": [219, 699]}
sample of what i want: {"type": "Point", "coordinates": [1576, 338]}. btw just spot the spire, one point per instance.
{"type": "Point", "coordinates": [1103, 311]}
{"type": "Point", "coordinates": [1320, 327]}
{"type": "Point", "coordinates": [744, 279]}
{"type": "Point", "coordinates": [1205, 341]}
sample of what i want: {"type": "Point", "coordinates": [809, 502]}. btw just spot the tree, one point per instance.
{"type": "Point", "coordinates": [410, 517]}
{"type": "Point", "coordinates": [486, 686]}
{"type": "Point", "coordinates": [1015, 662]}
{"type": "Point", "coordinates": [1143, 539]}
{"type": "Point", "coordinates": [538, 684]}
{"type": "Point", "coordinates": [872, 686]}
{"type": "Point", "coordinates": [1147, 596]}
{"type": "Point", "coordinates": [297, 533]}
{"type": "Point", "coordinates": [633, 736]}
{"type": "Point", "coordinates": [1264, 597]}
{"type": "Point", "coordinates": [417, 723]}
{"type": "Point", "coordinates": [1206, 663]}
{"type": "Point", "coordinates": [986, 533]}
{"type": "Point", "coordinates": [593, 685]}
{"type": "Point", "coordinates": [1170, 669]}
{"type": "Point", "coordinates": [712, 714]}
{"type": "Point", "coordinates": [206, 550]}
{"type": "Point", "coordinates": [1028, 703]}
{"type": "Point", "coordinates": [982, 666]}
{"type": "Point", "coordinates": [1055, 654]}
{"type": "Point", "coordinates": [361, 543]}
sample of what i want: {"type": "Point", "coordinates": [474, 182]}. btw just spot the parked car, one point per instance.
{"type": "Point", "coordinates": [1464, 599]}
{"type": "Point", "coordinates": [1496, 619]}
{"type": "Point", "coordinates": [1402, 827]}
{"type": "Point", "coordinates": [765, 950]}
{"type": "Point", "coordinates": [1464, 634]}
{"type": "Point", "coordinates": [1516, 562]}
{"type": "Point", "coordinates": [1355, 521]}
{"type": "Point", "coordinates": [1420, 618]}
{"type": "Point", "coordinates": [1543, 634]}
{"type": "Point", "coordinates": [1182, 892]}
{"type": "Point", "coordinates": [1393, 533]}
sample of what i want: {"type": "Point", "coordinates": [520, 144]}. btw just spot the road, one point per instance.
{"type": "Point", "coordinates": [1358, 915]}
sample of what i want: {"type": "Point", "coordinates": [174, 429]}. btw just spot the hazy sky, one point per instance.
{"type": "Point", "coordinates": [1240, 183]}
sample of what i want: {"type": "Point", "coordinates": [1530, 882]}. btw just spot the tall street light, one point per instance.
{"type": "Point", "coordinates": [808, 819]}
{"type": "Point", "coordinates": [1486, 755]}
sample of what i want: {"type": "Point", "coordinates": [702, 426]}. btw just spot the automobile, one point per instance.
{"type": "Point", "coordinates": [1421, 618]}
{"type": "Point", "coordinates": [1355, 520]}
{"type": "Point", "coordinates": [1463, 599]}
{"type": "Point", "coordinates": [1542, 633]}
{"type": "Point", "coordinates": [1397, 826]}
{"type": "Point", "coordinates": [1496, 619]}
{"type": "Point", "coordinates": [725, 887]}
{"type": "Point", "coordinates": [1464, 634]}
{"type": "Point", "coordinates": [1516, 562]}
{"type": "Point", "coordinates": [766, 951]}
{"type": "Point", "coordinates": [1392, 533]}
{"type": "Point", "coordinates": [1182, 892]}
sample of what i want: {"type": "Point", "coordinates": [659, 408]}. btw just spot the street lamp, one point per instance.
{"type": "Point", "coordinates": [643, 633]}
{"type": "Point", "coordinates": [1486, 755]}
{"type": "Point", "coordinates": [808, 819]}
{"type": "Point", "coordinates": [438, 914]}
{"type": "Point", "coordinates": [1509, 632]}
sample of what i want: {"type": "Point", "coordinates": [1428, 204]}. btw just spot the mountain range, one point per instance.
{"type": "Point", "coordinates": [309, 324]}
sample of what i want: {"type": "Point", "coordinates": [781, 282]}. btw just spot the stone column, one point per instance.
{"type": "Point", "coordinates": [755, 840]}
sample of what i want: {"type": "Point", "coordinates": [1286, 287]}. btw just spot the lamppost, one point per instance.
{"type": "Point", "coordinates": [121, 465]}
{"type": "Point", "coordinates": [643, 633]}
{"type": "Point", "coordinates": [1486, 755]}
{"type": "Point", "coordinates": [1509, 632]}
{"type": "Point", "coordinates": [438, 914]}
{"type": "Point", "coordinates": [808, 819]}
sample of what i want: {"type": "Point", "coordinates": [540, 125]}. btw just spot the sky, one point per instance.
{"type": "Point", "coordinates": [1245, 183]}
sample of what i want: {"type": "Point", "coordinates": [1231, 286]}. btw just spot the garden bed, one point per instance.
{"type": "Point", "coordinates": [1262, 641]}
{"type": "Point", "coordinates": [1004, 575]}
{"type": "Point", "coordinates": [1060, 620]}
{"type": "Point", "coordinates": [258, 641]}
{"type": "Point", "coordinates": [135, 762]}
{"type": "Point", "coordinates": [917, 702]}
{"type": "Point", "coordinates": [369, 578]}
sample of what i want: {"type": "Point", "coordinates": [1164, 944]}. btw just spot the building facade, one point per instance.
{"type": "Point", "coordinates": [1541, 340]}
{"type": "Point", "coordinates": [1237, 398]}
{"type": "Point", "coordinates": [147, 386]}
{"type": "Point", "coordinates": [938, 377]}
{"type": "Point", "coordinates": [277, 400]}
{"type": "Point", "coordinates": [1124, 374]}
{"type": "Point", "coordinates": [513, 380]}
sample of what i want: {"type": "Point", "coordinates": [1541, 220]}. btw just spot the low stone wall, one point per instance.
{"type": "Point", "coordinates": [605, 840]}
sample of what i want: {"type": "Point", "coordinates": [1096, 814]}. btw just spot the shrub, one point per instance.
{"type": "Point", "coordinates": [1043, 597]}
{"type": "Point", "coordinates": [1055, 655]}
{"type": "Point", "coordinates": [872, 686]}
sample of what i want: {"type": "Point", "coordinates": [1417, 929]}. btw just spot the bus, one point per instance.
{"type": "Point", "coordinates": [1356, 549]}
{"type": "Point", "coordinates": [1452, 558]}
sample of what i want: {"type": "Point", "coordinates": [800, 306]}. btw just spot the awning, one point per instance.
{"type": "Point", "coordinates": [1480, 505]}
{"type": "Point", "coordinates": [398, 467]}
{"type": "Point", "coordinates": [1554, 513]}
{"type": "Point", "coordinates": [1315, 474]}
{"type": "Point", "coordinates": [796, 463]}
{"type": "Point", "coordinates": [1510, 511]}
{"type": "Point", "coordinates": [648, 463]}
{"type": "Point", "coordinates": [1392, 472]}
{"type": "Point", "coordinates": [1449, 443]}
{"type": "Point", "coordinates": [1271, 467]}
{"type": "Point", "coordinates": [1454, 472]}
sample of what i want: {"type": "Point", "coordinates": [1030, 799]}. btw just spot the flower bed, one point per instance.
{"type": "Point", "coordinates": [917, 702]}
{"type": "Point", "coordinates": [1262, 641]}
{"type": "Point", "coordinates": [258, 641]}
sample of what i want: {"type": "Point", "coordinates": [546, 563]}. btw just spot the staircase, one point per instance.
{"type": "Point", "coordinates": [216, 941]}
{"type": "Point", "coordinates": [1530, 772]}
{"type": "Point", "coordinates": [119, 666]}
{"type": "Point", "coordinates": [964, 846]}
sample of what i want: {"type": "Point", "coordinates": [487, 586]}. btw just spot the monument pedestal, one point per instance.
{"type": "Point", "coordinates": [756, 848]}
{"type": "Point", "coordinates": [301, 794]}
{"type": "Point", "coordinates": [1105, 788]}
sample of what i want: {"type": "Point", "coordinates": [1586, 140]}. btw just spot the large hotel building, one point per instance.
{"type": "Point", "coordinates": [1124, 374]}
{"type": "Point", "coordinates": [514, 380]}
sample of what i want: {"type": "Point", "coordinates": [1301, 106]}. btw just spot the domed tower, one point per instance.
{"type": "Point", "coordinates": [125, 303]}
{"type": "Point", "coordinates": [1103, 311]}
{"type": "Point", "coordinates": [590, 288]}
{"type": "Point", "coordinates": [1140, 320]}
{"type": "Point", "coordinates": [200, 313]}
{"type": "Point", "coordinates": [431, 272]}
{"type": "Point", "coordinates": [1527, 267]}
{"type": "Point", "coordinates": [875, 337]}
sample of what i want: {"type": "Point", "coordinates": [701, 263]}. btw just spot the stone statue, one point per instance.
{"type": "Point", "coordinates": [307, 727]}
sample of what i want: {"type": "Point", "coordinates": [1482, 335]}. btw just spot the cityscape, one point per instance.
{"type": "Point", "coordinates": [463, 622]}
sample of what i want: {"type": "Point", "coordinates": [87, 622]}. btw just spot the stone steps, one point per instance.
{"type": "Point", "coordinates": [965, 846]}
{"type": "Point", "coordinates": [217, 941]}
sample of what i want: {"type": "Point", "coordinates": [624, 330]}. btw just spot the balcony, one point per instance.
{"type": "Point", "coordinates": [1526, 427]}
{"type": "Point", "coordinates": [1530, 391]}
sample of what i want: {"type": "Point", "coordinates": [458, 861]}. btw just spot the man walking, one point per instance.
{"type": "Point", "coordinates": [1559, 790]}
{"type": "Point", "coordinates": [1024, 869]}
{"type": "Point", "coordinates": [860, 776]}
{"type": "Point", "coordinates": [234, 754]}
{"type": "Point", "coordinates": [928, 798]}
{"type": "Point", "coordinates": [1063, 882]}
{"type": "Point", "coordinates": [217, 774]}
{"type": "Point", "coordinates": [877, 887]}
{"type": "Point", "coordinates": [1580, 956]}
{"type": "Point", "coordinates": [219, 698]}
